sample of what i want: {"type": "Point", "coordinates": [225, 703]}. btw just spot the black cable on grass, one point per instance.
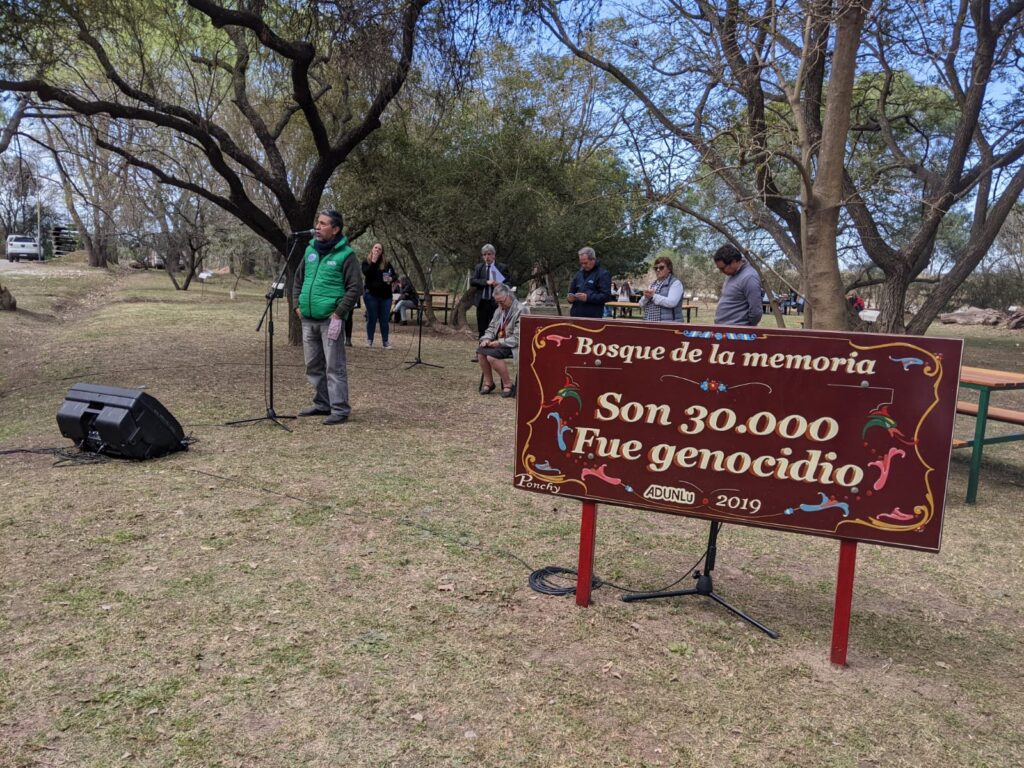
{"type": "Point", "coordinates": [63, 456]}
{"type": "Point", "coordinates": [542, 580]}
{"type": "Point", "coordinates": [666, 588]}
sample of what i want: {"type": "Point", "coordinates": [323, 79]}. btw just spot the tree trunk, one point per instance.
{"type": "Point", "coordinates": [553, 292]}
{"type": "Point", "coordinates": [169, 269]}
{"type": "Point", "coordinates": [190, 263]}
{"type": "Point", "coordinates": [90, 247]}
{"type": "Point", "coordinates": [892, 298]}
{"type": "Point", "coordinates": [103, 243]}
{"type": "Point", "coordinates": [825, 296]}
{"type": "Point", "coordinates": [461, 309]}
{"type": "Point", "coordinates": [428, 309]}
{"type": "Point", "coordinates": [824, 199]}
{"type": "Point", "coordinates": [94, 259]}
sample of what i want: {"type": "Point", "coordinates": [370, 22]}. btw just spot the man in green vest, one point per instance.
{"type": "Point", "coordinates": [326, 286]}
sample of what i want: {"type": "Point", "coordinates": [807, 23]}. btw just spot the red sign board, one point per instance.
{"type": "Point", "coordinates": [835, 434]}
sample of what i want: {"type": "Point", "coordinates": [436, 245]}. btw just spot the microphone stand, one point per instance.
{"type": "Point", "coordinates": [268, 315]}
{"type": "Point", "coordinates": [419, 342]}
{"type": "Point", "coordinates": [419, 320]}
{"type": "Point", "coordinates": [705, 586]}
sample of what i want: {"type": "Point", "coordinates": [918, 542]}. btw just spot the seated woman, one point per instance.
{"type": "Point", "coordinates": [499, 341]}
{"type": "Point", "coordinates": [407, 299]}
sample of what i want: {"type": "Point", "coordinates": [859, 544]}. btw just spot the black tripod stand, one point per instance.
{"type": "Point", "coordinates": [276, 291]}
{"type": "Point", "coordinates": [704, 585]}
{"type": "Point", "coordinates": [419, 341]}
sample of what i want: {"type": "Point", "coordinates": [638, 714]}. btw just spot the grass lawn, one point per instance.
{"type": "Point", "coordinates": [358, 595]}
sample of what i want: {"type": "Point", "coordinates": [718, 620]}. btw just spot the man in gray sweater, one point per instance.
{"type": "Point", "coordinates": [740, 303]}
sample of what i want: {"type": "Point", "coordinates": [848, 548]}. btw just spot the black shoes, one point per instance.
{"type": "Point", "coordinates": [332, 418]}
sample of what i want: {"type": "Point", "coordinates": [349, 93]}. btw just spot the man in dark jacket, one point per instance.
{"type": "Point", "coordinates": [484, 280]}
{"type": "Point", "coordinates": [591, 287]}
{"type": "Point", "coordinates": [326, 286]}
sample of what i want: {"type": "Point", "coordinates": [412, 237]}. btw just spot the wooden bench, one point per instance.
{"type": "Point", "coordinates": [986, 381]}
{"type": "Point", "coordinates": [436, 300]}
{"type": "Point", "coordinates": [996, 414]}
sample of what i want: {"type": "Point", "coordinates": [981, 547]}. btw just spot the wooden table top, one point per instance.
{"type": "Point", "coordinates": [635, 304]}
{"type": "Point", "coordinates": [991, 378]}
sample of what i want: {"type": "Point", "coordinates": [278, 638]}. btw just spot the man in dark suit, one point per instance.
{"type": "Point", "coordinates": [486, 275]}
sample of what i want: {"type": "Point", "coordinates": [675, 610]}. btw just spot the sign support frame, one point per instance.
{"type": "Point", "coordinates": [585, 565]}
{"type": "Point", "coordinates": [844, 601]}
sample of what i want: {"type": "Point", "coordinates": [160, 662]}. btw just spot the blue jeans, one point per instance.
{"type": "Point", "coordinates": [377, 311]}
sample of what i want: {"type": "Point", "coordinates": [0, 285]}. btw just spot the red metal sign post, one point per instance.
{"type": "Point", "coordinates": [585, 566]}
{"type": "Point", "coordinates": [844, 601]}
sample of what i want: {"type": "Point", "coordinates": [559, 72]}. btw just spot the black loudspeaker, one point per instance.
{"type": "Point", "coordinates": [126, 423]}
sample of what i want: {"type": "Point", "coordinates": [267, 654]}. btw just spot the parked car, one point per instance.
{"type": "Point", "coordinates": [23, 247]}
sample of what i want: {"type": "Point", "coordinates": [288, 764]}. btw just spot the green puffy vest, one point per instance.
{"type": "Point", "coordinates": [323, 284]}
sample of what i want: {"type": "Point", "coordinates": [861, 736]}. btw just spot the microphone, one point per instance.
{"type": "Point", "coordinates": [304, 232]}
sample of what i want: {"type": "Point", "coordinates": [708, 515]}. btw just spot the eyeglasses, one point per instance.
{"type": "Point", "coordinates": [659, 267]}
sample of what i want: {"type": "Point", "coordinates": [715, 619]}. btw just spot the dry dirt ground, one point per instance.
{"type": "Point", "coordinates": [358, 595]}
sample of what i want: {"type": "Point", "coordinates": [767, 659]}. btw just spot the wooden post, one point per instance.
{"type": "Point", "coordinates": [585, 566]}
{"type": "Point", "coordinates": [844, 601]}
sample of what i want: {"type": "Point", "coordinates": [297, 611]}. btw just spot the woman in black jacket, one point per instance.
{"type": "Point", "coordinates": [378, 275]}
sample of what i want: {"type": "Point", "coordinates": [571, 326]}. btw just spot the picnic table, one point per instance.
{"type": "Point", "coordinates": [986, 381]}
{"type": "Point", "coordinates": [785, 303]}
{"type": "Point", "coordinates": [431, 299]}
{"type": "Point", "coordinates": [627, 307]}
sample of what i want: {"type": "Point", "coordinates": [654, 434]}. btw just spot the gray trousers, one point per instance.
{"type": "Point", "coordinates": [325, 367]}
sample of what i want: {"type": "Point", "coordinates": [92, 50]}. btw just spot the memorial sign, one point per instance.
{"type": "Point", "coordinates": [835, 434]}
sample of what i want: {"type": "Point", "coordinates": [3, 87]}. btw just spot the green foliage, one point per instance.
{"type": "Point", "coordinates": [923, 119]}
{"type": "Point", "coordinates": [991, 289]}
{"type": "Point", "coordinates": [505, 166]}
{"type": "Point", "coordinates": [998, 283]}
